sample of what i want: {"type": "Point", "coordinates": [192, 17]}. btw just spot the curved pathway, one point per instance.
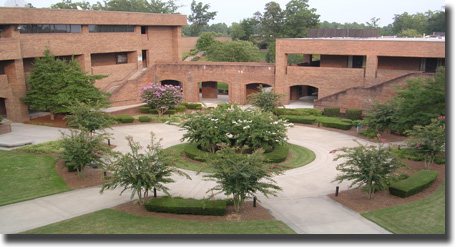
{"type": "Point", "coordinates": [303, 203]}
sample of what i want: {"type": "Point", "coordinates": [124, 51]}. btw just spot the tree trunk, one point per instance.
{"type": "Point", "coordinates": [52, 116]}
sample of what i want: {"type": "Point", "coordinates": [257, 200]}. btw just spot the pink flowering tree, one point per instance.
{"type": "Point", "coordinates": [370, 167]}
{"type": "Point", "coordinates": [428, 140]}
{"type": "Point", "coordinates": [141, 172]}
{"type": "Point", "coordinates": [162, 98]}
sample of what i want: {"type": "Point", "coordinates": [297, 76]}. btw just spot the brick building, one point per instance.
{"type": "Point", "coordinates": [119, 44]}
{"type": "Point", "coordinates": [135, 49]}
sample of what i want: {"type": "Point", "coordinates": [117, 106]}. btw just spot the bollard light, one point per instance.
{"type": "Point", "coordinates": [254, 201]}
{"type": "Point", "coordinates": [337, 190]}
{"type": "Point", "coordinates": [154, 192]}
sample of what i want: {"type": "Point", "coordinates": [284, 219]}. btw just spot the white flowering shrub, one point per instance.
{"type": "Point", "coordinates": [247, 129]}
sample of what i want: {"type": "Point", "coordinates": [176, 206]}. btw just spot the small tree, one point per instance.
{"type": "Point", "coordinates": [368, 166]}
{"type": "Point", "coordinates": [88, 116]}
{"type": "Point", "coordinates": [205, 41]}
{"type": "Point", "coordinates": [266, 100]}
{"type": "Point", "coordinates": [141, 172]}
{"type": "Point", "coordinates": [233, 51]}
{"type": "Point", "coordinates": [162, 98]}
{"type": "Point", "coordinates": [54, 83]}
{"type": "Point", "coordinates": [428, 140]}
{"type": "Point", "coordinates": [81, 149]}
{"type": "Point", "coordinates": [241, 176]}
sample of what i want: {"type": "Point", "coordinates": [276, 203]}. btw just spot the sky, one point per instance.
{"type": "Point", "coordinates": [341, 11]}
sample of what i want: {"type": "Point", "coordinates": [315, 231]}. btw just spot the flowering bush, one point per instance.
{"type": "Point", "coordinates": [162, 98]}
{"type": "Point", "coordinates": [266, 100]}
{"type": "Point", "coordinates": [428, 140]}
{"type": "Point", "coordinates": [248, 128]}
{"type": "Point", "coordinates": [141, 172]}
{"type": "Point", "coordinates": [372, 167]}
{"type": "Point", "coordinates": [81, 148]}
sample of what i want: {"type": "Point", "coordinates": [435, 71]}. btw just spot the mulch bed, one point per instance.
{"type": "Point", "coordinates": [357, 200]}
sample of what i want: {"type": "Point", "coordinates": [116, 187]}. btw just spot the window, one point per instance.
{"type": "Point", "coordinates": [50, 28]}
{"type": "Point", "coordinates": [122, 58]}
{"type": "Point", "coordinates": [110, 28]}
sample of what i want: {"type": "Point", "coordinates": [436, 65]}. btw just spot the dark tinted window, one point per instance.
{"type": "Point", "coordinates": [50, 28]}
{"type": "Point", "coordinates": [110, 28]}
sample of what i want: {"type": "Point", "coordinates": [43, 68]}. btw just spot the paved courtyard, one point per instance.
{"type": "Point", "coordinates": [303, 203]}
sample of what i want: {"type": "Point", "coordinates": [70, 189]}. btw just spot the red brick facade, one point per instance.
{"type": "Point", "coordinates": [349, 71]}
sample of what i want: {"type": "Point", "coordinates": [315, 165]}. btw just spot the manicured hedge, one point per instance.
{"type": "Point", "coordinates": [224, 106]}
{"type": "Point", "coordinates": [153, 111]}
{"type": "Point", "coordinates": [145, 119]}
{"type": "Point", "coordinates": [125, 118]}
{"type": "Point", "coordinates": [193, 152]}
{"type": "Point", "coordinates": [354, 114]}
{"type": "Point", "coordinates": [180, 108]}
{"type": "Point", "coordinates": [144, 109]}
{"type": "Point", "coordinates": [414, 184]}
{"type": "Point", "coordinates": [332, 112]}
{"type": "Point", "coordinates": [299, 119]}
{"type": "Point", "coordinates": [194, 106]}
{"type": "Point", "coordinates": [337, 125]}
{"type": "Point", "coordinates": [278, 155]}
{"type": "Point", "coordinates": [186, 206]}
{"type": "Point", "coordinates": [297, 112]}
{"type": "Point", "coordinates": [170, 112]}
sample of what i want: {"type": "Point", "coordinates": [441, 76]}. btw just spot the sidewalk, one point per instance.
{"type": "Point", "coordinates": [303, 204]}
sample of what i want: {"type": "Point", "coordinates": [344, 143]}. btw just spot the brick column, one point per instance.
{"type": "Point", "coordinates": [371, 68]}
{"type": "Point", "coordinates": [16, 110]}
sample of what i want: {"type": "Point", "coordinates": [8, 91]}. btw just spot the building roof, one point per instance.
{"type": "Point", "coordinates": [86, 17]}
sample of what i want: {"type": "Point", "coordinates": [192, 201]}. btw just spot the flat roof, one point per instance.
{"type": "Point", "coordinates": [86, 17]}
{"type": "Point", "coordinates": [384, 38]}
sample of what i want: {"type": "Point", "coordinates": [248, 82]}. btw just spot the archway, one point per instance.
{"type": "Point", "coordinates": [2, 107]}
{"type": "Point", "coordinates": [303, 96]}
{"type": "Point", "coordinates": [254, 88]}
{"type": "Point", "coordinates": [171, 82]}
{"type": "Point", "coordinates": [214, 92]}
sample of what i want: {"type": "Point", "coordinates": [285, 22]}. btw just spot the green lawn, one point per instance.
{"type": "Point", "coordinates": [110, 221]}
{"type": "Point", "coordinates": [298, 156]}
{"type": "Point", "coordinates": [27, 176]}
{"type": "Point", "coordinates": [426, 216]}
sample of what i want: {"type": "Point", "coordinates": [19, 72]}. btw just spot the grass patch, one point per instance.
{"type": "Point", "coordinates": [298, 156]}
{"type": "Point", "coordinates": [28, 176]}
{"type": "Point", "coordinates": [426, 216]}
{"type": "Point", "coordinates": [43, 148]}
{"type": "Point", "coordinates": [109, 221]}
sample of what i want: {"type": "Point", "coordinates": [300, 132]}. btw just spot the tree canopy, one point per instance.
{"type": "Point", "coordinates": [235, 51]}
{"type": "Point", "coordinates": [200, 17]}
{"type": "Point", "coordinates": [54, 83]}
{"type": "Point", "coordinates": [152, 6]}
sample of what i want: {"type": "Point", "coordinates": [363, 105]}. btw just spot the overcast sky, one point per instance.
{"type": "Point", "coordinates": [341, 11]}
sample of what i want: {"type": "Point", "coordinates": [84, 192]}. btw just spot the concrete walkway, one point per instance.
{"type": "Point", "coordinates": [303, 204]}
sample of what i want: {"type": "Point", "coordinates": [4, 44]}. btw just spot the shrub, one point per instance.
{"type": "Point", "coordinates": [193, 152]}
{"type": "Point", "coordinates": [297, 112]}
{"type": "Point", "coordinates": [124, 118]}
{"type": "Point", "coordinates": [145, 119]}
{"type": "Point", "coordinates": [414, 184]}
{"type": "Point", "coordinates": [81, 148]}
{"type": "Point", "coordinates": [180, 108]}
{"type": "Point", "coordinates": [337, 125]}
{"type": "Point", "coordinates": [355, 123]}
{"type": "Point", "coordinates": [354, 114]}
{"type": "Point", "coordinates": [1, 119]}
{"type": "Point", "coordinates": [43, 148]}
{"type": "Point", "coordinates": [194, 106]}
{"type": "Point", "coordinates": [193, 52]}
{"type": "Point", "coordinates": [278, 155]}
{"type": "Point", "coordinates": [265, 100]}
{"type": "Point", "coordinates": [224, 106]}
{"type": "Point", "coordinates": [153, 111]}
{"type": "Point", "coordinates": [184, 103]}
{"type": "Point", "coordinates": [88, 116]}
{"type": "Point", "coordinates": [299, 119]}
{"type": "Point", "coordinates": [196, 58]}
{"type": "Point", "coordinates": [187, 206]}
{"type": "Point", "coordinates": [332, 112]}
{"type": "Point", "coordinates": [145, 109]}
{"type": "Point", "coordinates": [236, 127]}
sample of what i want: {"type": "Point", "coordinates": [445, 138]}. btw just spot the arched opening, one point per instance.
{"type": "Point", "coordinates": [303, 96]}
{"type": "Point", "coordinates": [214, 92]}
{"type": "Point", "coordinates": [254, 88]}
{"type": "Point", "coordinates": [171, 82]}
